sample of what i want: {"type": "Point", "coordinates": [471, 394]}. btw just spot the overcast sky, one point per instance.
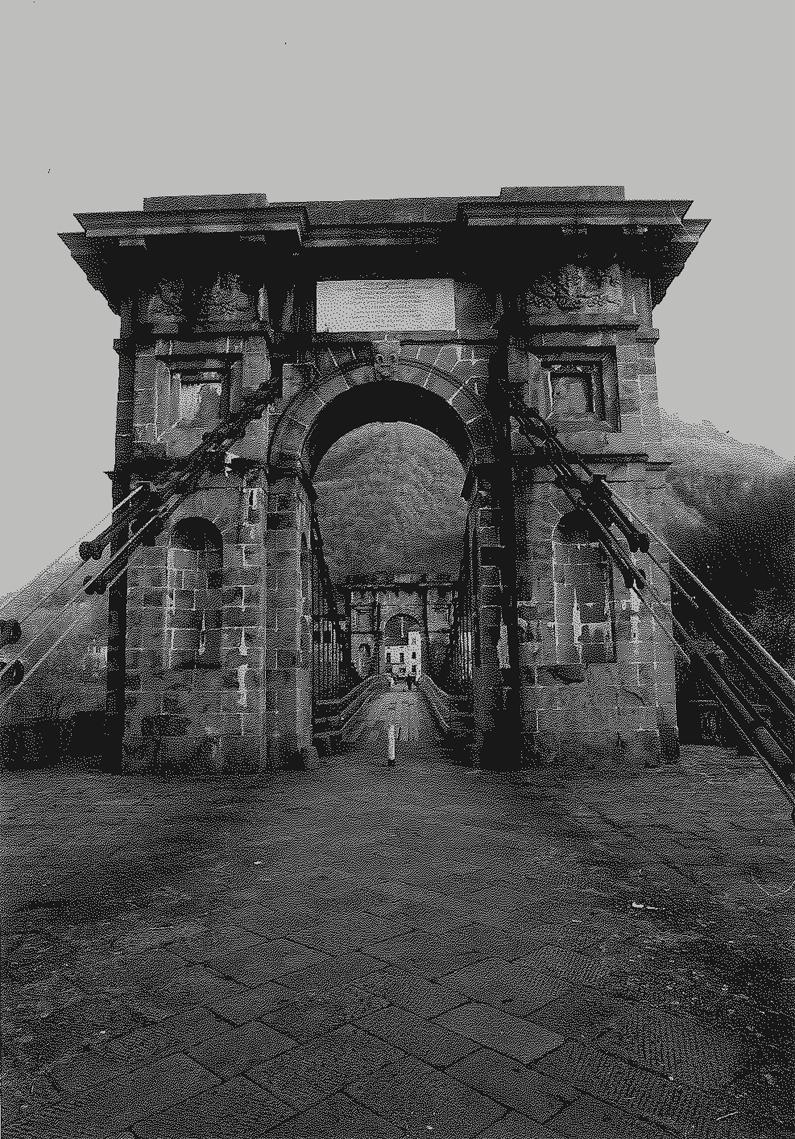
{"type": "Point", "coordinates": [107, 102]}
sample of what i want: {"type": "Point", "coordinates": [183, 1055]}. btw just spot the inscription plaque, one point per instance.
{"type": "Point", "coordinates": [386, 306]}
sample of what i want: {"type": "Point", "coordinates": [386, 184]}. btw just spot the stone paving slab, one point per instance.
{"type": "Point", "coordinates": [516, 1126]}
{"type": "Point", "coordinates": [340, 933]}
{"type": "Point", "coordinates": [167, 1036]}
{"type": "Point", "coordinates": [590, 1118]}
{"type": "Point", "coordinates": [509, 1035]}
{"type": "Point", "coordinates": [320, 976]}
{"type": "Point", "coordinates": [424, 1039]}
{"type": "Point", "coordinates": [580, 1013]}
{"type": "Point", "coordinates": [337, 1117]}
{"type": "Point", "coordinates": [411, 991]}
{"type": "Point", "coordinates": [512, 986]}
{"type": "Point", "coordinates": [259, 963]}
{"type": "Point", "coordinates": [120, 1102]}
{"type": "Point", "coordinates": [230, 1053]}
{"type": "Point", "coordinates": [571, 964]}
{"type": "Point", "coordinates": [305, 1014]}
{"type": "Point", "coordinates": [421, 1101]}
{"type": "Point", "coordinates": [248, 1004]}
{"type": "Point", "coordinates": [237, 1109]}
{"type": "Point", "coordinates": [205, 944]}
{"type": "Point", "coordinates": [609, 952]}
{"type": "Point", "coordinates": [675, 1046]}
{"type": "Point", "coordinates": [326, 1065]}
{"type": "Point", "coordinates": [513, 1084]}
{"type": "Point", "coordinates": [427, 911]}
{"type": "Point", "coordinates": [653, 1098]}
{"type": "Point", "coordinates": [197, 985]}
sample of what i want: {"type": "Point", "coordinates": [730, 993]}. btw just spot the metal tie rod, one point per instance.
{"type": "Point", "coordinates": [739, 627]}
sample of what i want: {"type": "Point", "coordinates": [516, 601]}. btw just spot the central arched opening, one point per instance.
{"type": "Point", "coordinates": [394, 523]}
{"type": "Point", "coordinates": [382, 403]}
{"type": "Point", "coordinates": [389, 461]}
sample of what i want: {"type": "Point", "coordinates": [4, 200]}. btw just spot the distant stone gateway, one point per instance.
{"type": "Point", "coordinates": [416, 310]}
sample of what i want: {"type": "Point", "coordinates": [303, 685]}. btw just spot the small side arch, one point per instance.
{"type": "Point", "coordinates": [195, 567]}
{"type": "Point", "coordinates": [584, 602]}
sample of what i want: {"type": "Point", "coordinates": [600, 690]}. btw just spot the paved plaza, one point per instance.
{"type": "Point", "coordinates": [426, 950]}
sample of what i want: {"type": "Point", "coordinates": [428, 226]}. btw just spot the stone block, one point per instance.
{"type": "Point", "coordinates": [237, 1107]}
{"type": "Point", "coordinates": [284, 541]}
{"type": "Point", "coordinates": [510, 1083]}
{"type": "Point", "coordinates": [489, 575]}
{"type": "Point", "coordinates": [417, 1100]}
{"type": "Point", "coordinates": [239, 576]}
{"type": "Point", "coordinates": [641, 749]}
{"type": "Point", "coordinates": [182, 559]}
{"type": "Point", "coordinates": [491, 595]}
{"type": "Point", "coordinates": [501, 1032]}
{"type": "Point", "coordinates": [425, 1040]}
{"type": "Point", "coordinates": [236, 618]}
{"type": "Point", "coordinates": [134, 1096]}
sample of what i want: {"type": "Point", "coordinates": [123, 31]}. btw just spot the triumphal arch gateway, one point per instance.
{"type": "Point", "coordinates": [417, 310]}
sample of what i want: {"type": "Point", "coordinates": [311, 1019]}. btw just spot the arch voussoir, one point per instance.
{"type": "Point", "coordinates": [419, 392]}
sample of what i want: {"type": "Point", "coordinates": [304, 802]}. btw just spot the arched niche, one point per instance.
{"type": "Point", "coordinates": [195, 566]}
{"type": "Point", "coordinates": [583, 584]}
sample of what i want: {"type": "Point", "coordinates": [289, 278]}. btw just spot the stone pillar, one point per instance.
{"type": "Point", "coordinates": [117, 593]}
{"type": "Point", "coordinates": [425, 652]}
{"type": "Point", "coordinates": [494, 743]}
{"type": "Point", "coordinates": [189, 710]}
{"type": "Point", "coordinates": [195, 655]}
{"type": "Point", "coordinates": [289, 616]}
{"type": "Point", "coordinates": [588, 713]}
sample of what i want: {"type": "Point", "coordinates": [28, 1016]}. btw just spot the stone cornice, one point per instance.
{"type": "Point", "coordinates": [142, 224]}
{"type": "Point", "coordinates": [331, 238]}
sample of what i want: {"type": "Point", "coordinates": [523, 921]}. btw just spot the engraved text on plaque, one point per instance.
{"type": "Point", "coordinates": [386, 306]}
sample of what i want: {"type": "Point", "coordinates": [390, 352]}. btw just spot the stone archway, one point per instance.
{"type": "Point", "coordinates": [324, 401]}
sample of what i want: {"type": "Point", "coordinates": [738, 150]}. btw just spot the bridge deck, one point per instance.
{"type": "Point", "coordinates": [376, 952]}
{"type": "Point", "coordinates": [415, 727]}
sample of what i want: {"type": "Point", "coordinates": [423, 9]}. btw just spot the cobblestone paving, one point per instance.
{"type": "Point", "coordinates": [425, 950]}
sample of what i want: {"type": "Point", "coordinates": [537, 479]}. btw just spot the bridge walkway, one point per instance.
{"type": "Point", "coordinates": [415, 728]}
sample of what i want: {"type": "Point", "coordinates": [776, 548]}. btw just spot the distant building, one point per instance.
{"type": "Point", "coordinates": [405, 657]}
{"type": "Point", "coordinates": [393, 618]}
{"type": "Point", "coordinates": [95, 659]}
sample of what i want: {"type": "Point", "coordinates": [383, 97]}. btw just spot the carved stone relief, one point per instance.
{"type": "Point", "coordinates": [385, 358]}
{"type": "Point", "coordinates": [227, 302]}
{"type": "Point", "coordinates": [164, 305]}
{"type": "Point", "coordinates": [577, 288]}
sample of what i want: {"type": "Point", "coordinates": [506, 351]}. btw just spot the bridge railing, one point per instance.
{"type": "Point", "coordinates": [332, 673]}
{"type": "Point", "coordinates": [335, 718]}
{"type": "Point", "coordinates": [453, 714]}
